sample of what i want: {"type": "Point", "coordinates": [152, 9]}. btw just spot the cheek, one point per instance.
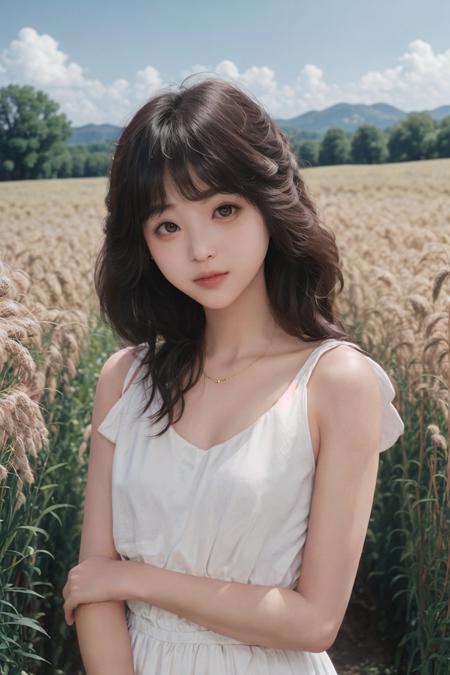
{"type": "Point", "coordinates": [251, 246]}
{"type": "Point", "coordinates": [168, 264]}
{"type": "Point", "coordinates": [172, 265]}
{"type": "Point", "coordinates": [161, 253]}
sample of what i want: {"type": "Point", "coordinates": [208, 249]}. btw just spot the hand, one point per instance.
{"type": "Point", "coordinates": [95, 579]}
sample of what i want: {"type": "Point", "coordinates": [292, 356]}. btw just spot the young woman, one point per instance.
{"type": "Point", "coordinates": [223, 530]}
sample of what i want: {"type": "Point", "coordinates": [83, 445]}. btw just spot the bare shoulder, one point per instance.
{"type": "Point", "coordinates": [343, 382]}
{"type": "Point", "coordinates": [110, 382]}
{"type": "Point", "coordinates": [345, 365]}
{"type": "Point", "coordinates": [114, 370]}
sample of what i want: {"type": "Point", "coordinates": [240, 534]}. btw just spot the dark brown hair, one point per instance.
{"type": "Point", "coordinates": [233, 145]}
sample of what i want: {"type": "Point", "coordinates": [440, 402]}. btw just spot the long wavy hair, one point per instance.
{"type": "Point", "coordinates": [234, 146]}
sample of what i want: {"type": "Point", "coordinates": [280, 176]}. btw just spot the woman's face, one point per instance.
{"type": "Point", "coordinates": [224, 233]}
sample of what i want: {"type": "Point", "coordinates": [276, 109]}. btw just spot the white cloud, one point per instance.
{"type": "Point", "coordinates": [36, 59]}
{"type": "Point", "coordinates": [420, 80]}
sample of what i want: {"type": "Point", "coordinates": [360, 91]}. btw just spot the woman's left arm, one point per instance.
{"type": "Point", "coordinates": [254, 614]}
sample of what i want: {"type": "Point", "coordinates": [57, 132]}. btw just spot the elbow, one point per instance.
{"type": "Point", "coordinates": [323, 645]}
{"type": "Point", "coordinates": [327, 636]}
{"type": "Point", "coordinates": [315, 630]}
{"type": "Point", "coordinates": [324, 635]}
{"type": "Point", "coordinates": [320, 643]}
{"type": "Point", "coordinates": [319, 638]}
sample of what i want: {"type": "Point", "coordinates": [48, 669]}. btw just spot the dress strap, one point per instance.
{"type": "Point", "coordinates": [328, 343]}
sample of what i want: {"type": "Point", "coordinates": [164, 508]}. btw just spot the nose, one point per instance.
{"type": "Point", "coordinates": [202, 251]}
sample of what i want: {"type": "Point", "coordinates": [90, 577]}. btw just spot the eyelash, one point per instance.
{"type": "Point", "coordinates": [221, 206]}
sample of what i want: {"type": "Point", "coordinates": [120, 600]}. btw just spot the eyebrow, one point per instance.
{"type": "Point", "coordinates": [161, 208]}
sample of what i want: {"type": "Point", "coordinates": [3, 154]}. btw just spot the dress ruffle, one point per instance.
{"type": "Point", "coordinates": [392, 426]}
{"type": "Point", "coordinates": [111, 422]}
{"type": "Point", "coordinates": [110, 425]}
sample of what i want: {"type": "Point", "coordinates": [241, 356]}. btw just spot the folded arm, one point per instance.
{"type": "Point", "coordinates": [266, 616]}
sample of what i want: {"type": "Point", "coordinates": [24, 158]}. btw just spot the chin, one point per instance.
{"type": "Point", "coordinates": [214, 299]}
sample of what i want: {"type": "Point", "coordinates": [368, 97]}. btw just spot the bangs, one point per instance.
{"type": "Point", "coordinates": [198, 171]}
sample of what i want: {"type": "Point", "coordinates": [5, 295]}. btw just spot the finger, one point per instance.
{"type": "Point", "coordinates": [67, 612]}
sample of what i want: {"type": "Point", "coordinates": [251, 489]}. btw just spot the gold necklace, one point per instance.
{"type": "Point", "coordinates": [219, 380]}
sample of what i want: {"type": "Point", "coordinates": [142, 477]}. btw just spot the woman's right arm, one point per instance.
{"type": "Point", "coordinates": [102, 630]}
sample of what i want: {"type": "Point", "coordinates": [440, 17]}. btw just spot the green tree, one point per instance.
{"type": "Point", "coordinates": [79, 156]}
{"type": "Point", "coordinates": [443, 138]}
{"type": "Point", "coordinates": [32, 133]}
{"type": "Point", "coordinates": [308, 152]}
{"type": "Point", "coordinates": [413, 138]}
{"type": "Point", "coordinates": [334, 147]}
{"type": "Point", "coordinates": [97, 164]}
{"type": "Point", "coordinates": [368, 145]}
{"type": "Point", "coordinates": [64, 165]}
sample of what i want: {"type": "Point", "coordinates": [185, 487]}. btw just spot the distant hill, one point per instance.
{"type": "Point", "coordinates": [94, 133]}
{"type": "Point", "coordinates": [346, 116]}
{"type": "Point", "coordinates": [349, 116]}
{"type": "Point", "coordinates": [440, 113]}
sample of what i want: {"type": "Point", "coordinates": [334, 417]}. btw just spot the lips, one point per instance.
{"type": "Point", "coordinates": [212, 281]}
{"type": "Point", "coordinates": [209, 275]}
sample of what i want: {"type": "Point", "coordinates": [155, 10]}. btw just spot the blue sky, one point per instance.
{"type": "Point", "coordinates": [101, 60]}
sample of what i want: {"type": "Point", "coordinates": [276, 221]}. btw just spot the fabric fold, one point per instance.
{"type": "Point", "coordinates": [392, 425]}
{"type": "Point", "coordinates": [109, 427]}
{"type": "Point", "coordinates": [111, 422]}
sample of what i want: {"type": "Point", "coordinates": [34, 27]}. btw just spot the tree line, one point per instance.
{"type": "Point", "coordinates": [34, 134]}
{"type": "Point", "coordinates": [417, 136]}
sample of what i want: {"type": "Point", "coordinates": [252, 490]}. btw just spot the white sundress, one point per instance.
{"type": "Point", "coordinates": [237, 512]}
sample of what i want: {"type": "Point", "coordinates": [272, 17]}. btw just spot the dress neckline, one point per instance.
{"type": "Point", "coordinates": [260, 418]}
